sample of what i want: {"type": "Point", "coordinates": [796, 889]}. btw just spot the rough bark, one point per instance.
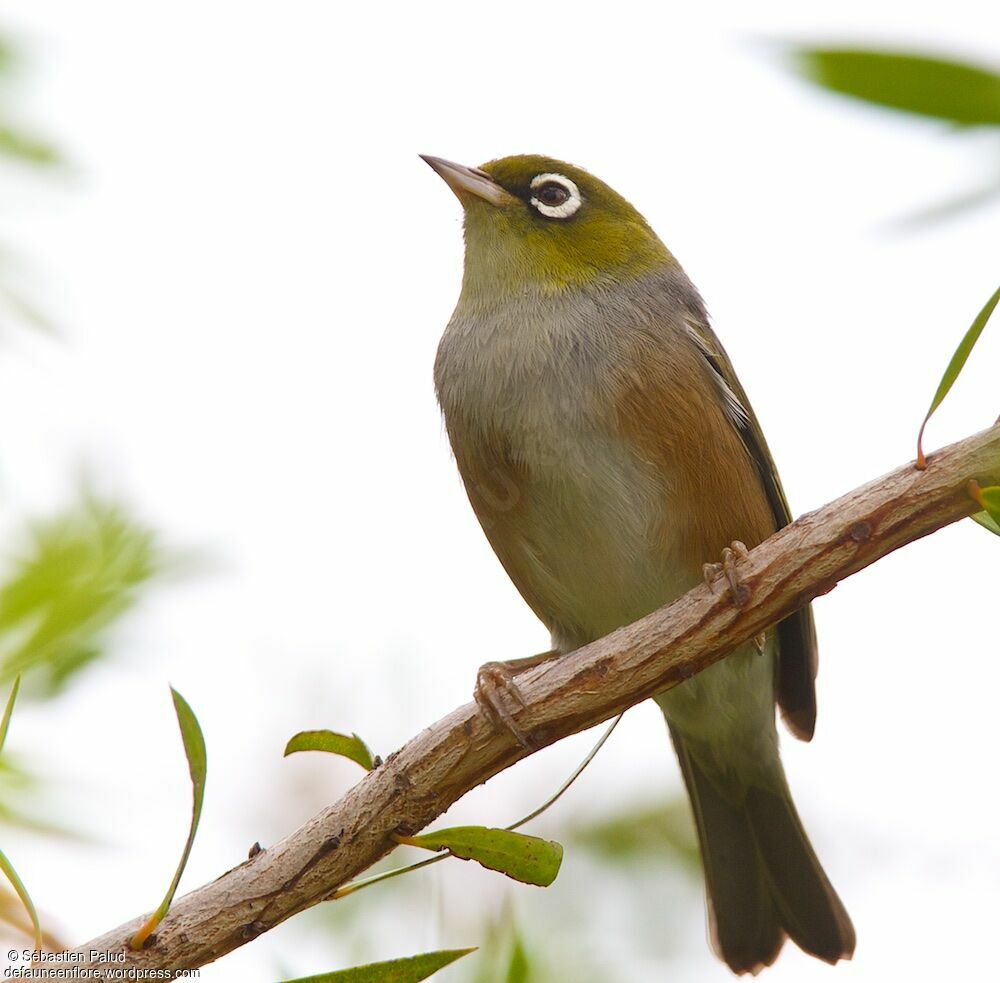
{"type": "Point", "coordinates": [421, 780]}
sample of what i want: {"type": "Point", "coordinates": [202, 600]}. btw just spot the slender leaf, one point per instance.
{"type": "Point", "coordinates": [518, 967]}
{"type": "Point", "coordinates": [22, 893]}
{"type": "Point", "coordinates": [327, 740]}
{"type": "Point", "coordinates": [8, 710]}
{"type": "Point", "coordinates": [194, 748]}
{"type": "Point", "coordinates": [914, 83]}
{"type": "Point", "coordinates": [528, 859]}
{"type": "Point", "coordinates": [412, 969]}
{"type": "Point", "coordinates": [26, 148]}
{"type": "Point", "coordinates": [8, 56]}
{"type": "Point", "coordinates": [990, 497]}
{"type": "Point", "coordinates": [5, 865]}
{"type": "Point", "coordinates": [16, 781]}
{"type": "Point", "coordinates": [968, 201]}
{"type": "Point", "coordinates": [955, 366]}
{"type": "Point", "coordinates": [987, 522]}
{"type": "Point", "coordinates": [505, 957]}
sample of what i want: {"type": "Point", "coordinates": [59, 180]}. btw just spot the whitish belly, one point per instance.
{"type": "Point", "coordinates": [595, 542]}
{"type": "Point", "coordinates": [591, 538]}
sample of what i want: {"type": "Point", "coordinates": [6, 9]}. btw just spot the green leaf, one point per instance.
{"type": "Point", "coordinates": [22, 893]}
{"type": "Point", "coordinates": [27, 148]}
{"type": "Point", "coordinates": [987, 522]}
{"type": "Point", "coordinates": [955, 366]}
{"type": "Point", "coordinates": [194, 748]}
{"type": "Point", "coordinates": [409, 970]}
{"type": "Point", "coordinates": [327, 740]}
{"type": "Point", "coordinates": [8, 56]}
{"type": "Point", "coordinates": [642, 835]}
{"type": "Point", "coordinates": [5, 865]}
{"type": "Point", "coordinates": [17, 782]}
{"type": "Point", "coordinates": [505, 956]}
{"type": "Point", "coordinates": [528, 859]}
{"type": "Point", "coordinates": [8, 710]}
{"type": "Point", "coordinates": [990, 497]}
{"type": "Point", "coordinates": [518, 967]}
{"type": "Point", "coordinates": [79, 572]}
{"type": "Point", "coordinates": [933, 87]}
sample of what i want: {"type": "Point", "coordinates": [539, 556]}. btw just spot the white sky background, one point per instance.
{"type": "Point", "coordinates": [251, 269]}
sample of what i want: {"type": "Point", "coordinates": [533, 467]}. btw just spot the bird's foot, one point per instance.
{"type": "Point", "coordinates": [496, 689]}
{"type": "Point", "coordinates": [731, 556]}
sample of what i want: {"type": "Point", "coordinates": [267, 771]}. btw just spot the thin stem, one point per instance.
{"type": "Point", "coordinates": [374, 879]}
{"type": "Point", "coordinates": [384, 876]}
{"type": "Point", "coordinates": [572, 778]}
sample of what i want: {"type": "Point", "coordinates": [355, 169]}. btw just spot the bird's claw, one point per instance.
{"type": "Point", "coordinates": [494, 682]}
{"type": "Point", "coordinates": [731, 556]}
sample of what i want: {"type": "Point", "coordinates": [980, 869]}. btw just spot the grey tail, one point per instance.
{"type": "Point", "coordinates": [762, 877]}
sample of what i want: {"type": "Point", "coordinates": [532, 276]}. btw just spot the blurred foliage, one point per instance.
{"type": "Point", "coordinates": [662, 831]}
{"type": "Point", "coordinates": [21, 799]}
{"type": "Point", "coordinates": [18, 141]}
{"type": "Point", "coordinates": [79, 571]}
{"type": "Point", "coordinates": [504, 957]}
{"type": "Point", "coordinates": [518, 967]}
{"type": "Point", "coordinates": [20, 144]}
{"type": "Point", "coordinates": [75, 575]}
{"type": "Point", "coordinates": [952, 91]}
{"type": "Point", "coordinates": [921, 85]}
{"type": "Point", "coordinates": [26, 148]}
{"type": "Point", "coordinates": [7, 56]}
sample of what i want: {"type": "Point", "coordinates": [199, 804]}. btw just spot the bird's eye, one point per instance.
{"type": "Point", "coordinates": [555, 195]}
{"type": "Point", "coordinates": [552, 194]}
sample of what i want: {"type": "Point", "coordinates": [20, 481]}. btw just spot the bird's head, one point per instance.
{"type": "Point", "coordinates": [536, 223]}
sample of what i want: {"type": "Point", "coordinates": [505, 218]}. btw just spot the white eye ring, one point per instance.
{"type": "Point", "coordinates": [568, 207]}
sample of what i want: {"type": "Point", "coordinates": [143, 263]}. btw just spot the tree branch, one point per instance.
{"type": "Point", "coordinates": [438, 766]}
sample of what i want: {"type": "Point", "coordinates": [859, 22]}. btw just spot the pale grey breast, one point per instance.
{"type": "Point", "coordinates": [536, 375]}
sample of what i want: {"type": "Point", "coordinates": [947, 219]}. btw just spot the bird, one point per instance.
{"type": "Point", "coordinates": [609, 451]}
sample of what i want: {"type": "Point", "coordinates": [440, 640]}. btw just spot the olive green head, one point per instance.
{"type": "Point", "coordinates": [536, 222]}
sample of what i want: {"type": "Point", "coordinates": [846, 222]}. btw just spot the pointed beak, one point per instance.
{"type": "Point", "coordinates": [466, 181]}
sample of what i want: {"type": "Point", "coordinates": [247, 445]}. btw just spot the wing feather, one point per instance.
{"type": "Point", "coordinates": [798, 658]}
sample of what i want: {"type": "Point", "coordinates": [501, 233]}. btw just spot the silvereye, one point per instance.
{"type": "Point", "coordinates": [609, 450]}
